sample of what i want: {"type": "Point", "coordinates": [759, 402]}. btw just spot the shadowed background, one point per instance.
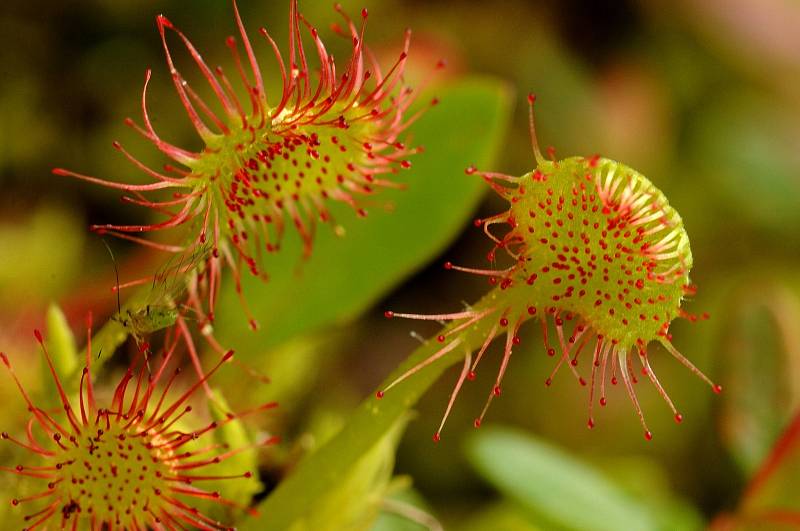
{"type": "Point", "coordinates": [703, 97]}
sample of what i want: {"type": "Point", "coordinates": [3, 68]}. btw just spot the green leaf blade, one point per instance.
{"type": "Point", "coordinates": [560, 488]}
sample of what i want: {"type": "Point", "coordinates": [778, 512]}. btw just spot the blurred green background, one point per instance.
{"type": "Point", "coordinates": [702, 96]}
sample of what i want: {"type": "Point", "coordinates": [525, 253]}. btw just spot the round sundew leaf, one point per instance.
{"type": "Point", "coordinates": [550, 483]}
{"type": "Point", "coordinates": [403, 231]}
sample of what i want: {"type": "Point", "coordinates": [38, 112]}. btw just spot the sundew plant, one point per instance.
{"type": "Point", "coordinates": [317, 266]}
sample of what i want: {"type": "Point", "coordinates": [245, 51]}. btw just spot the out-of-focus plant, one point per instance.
{"type": "Point", "coordinates": [257, 209]}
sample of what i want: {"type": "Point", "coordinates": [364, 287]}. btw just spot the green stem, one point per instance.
{"type": "Point", "coordinates": [111, 336]}
{"type": "Point", "coordinates": [317, 475]}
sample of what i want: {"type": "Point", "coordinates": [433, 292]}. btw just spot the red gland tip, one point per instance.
{"type": "Point", "coordinates": [469, 170]}
{"type": "Point", "coordinates": [437, 437]}
{"type": "Point", "coordinates": [388, 314]}
{"type": "Point", "coordinates": [496, 390]}
{"type": "Point", "coordinates": [379, 395]}
{"type": "Point", "coordinates": [717, 388]}
{"type": "Point", "coordinates": [603, 401]}
{"type": "Point", "coordinates": [448, 265]}
{"type": "Point", "coordinates": [38, 335]}
{"type": "Point", "coordinates": [590, 424]}
{"type": "Point", "coordinates": [163, 21]}
{"type": "Point", "coordinates": [678, 418]}
{"type": "Point", "coordinates": [440, 338]}
{"type": "Point", "coordinates": [531, 98]}
{"type": "Point", "coordinates": [471, 375]}
{"type": "Point", "coordinates": [116, 144]}
{"type": "Point", "coordinates": [477, 423]}
{"type": "Point", "coordinates": [648, 436]}
{"type": "Point", "coordinates": [364, 13]}
{"type": "Point", "coordinates": [253, 325]}
{"type": "Point", "coordinates": [582, 381]}
{"type": "Point", "coordinates": [548, 382]}
{"type": "Point", "coordinates": [228, 355]}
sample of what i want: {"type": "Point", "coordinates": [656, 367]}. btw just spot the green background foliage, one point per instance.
{"type": "Point", "coordinates": [701, 98]}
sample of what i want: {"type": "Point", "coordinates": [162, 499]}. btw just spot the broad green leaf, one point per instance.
{"type": "Point", "coordinates": [647, 479]}
{"type": "Point", "coordinates": [562, 489]}
{"type": "Point", "coordinates": [403, 231]}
